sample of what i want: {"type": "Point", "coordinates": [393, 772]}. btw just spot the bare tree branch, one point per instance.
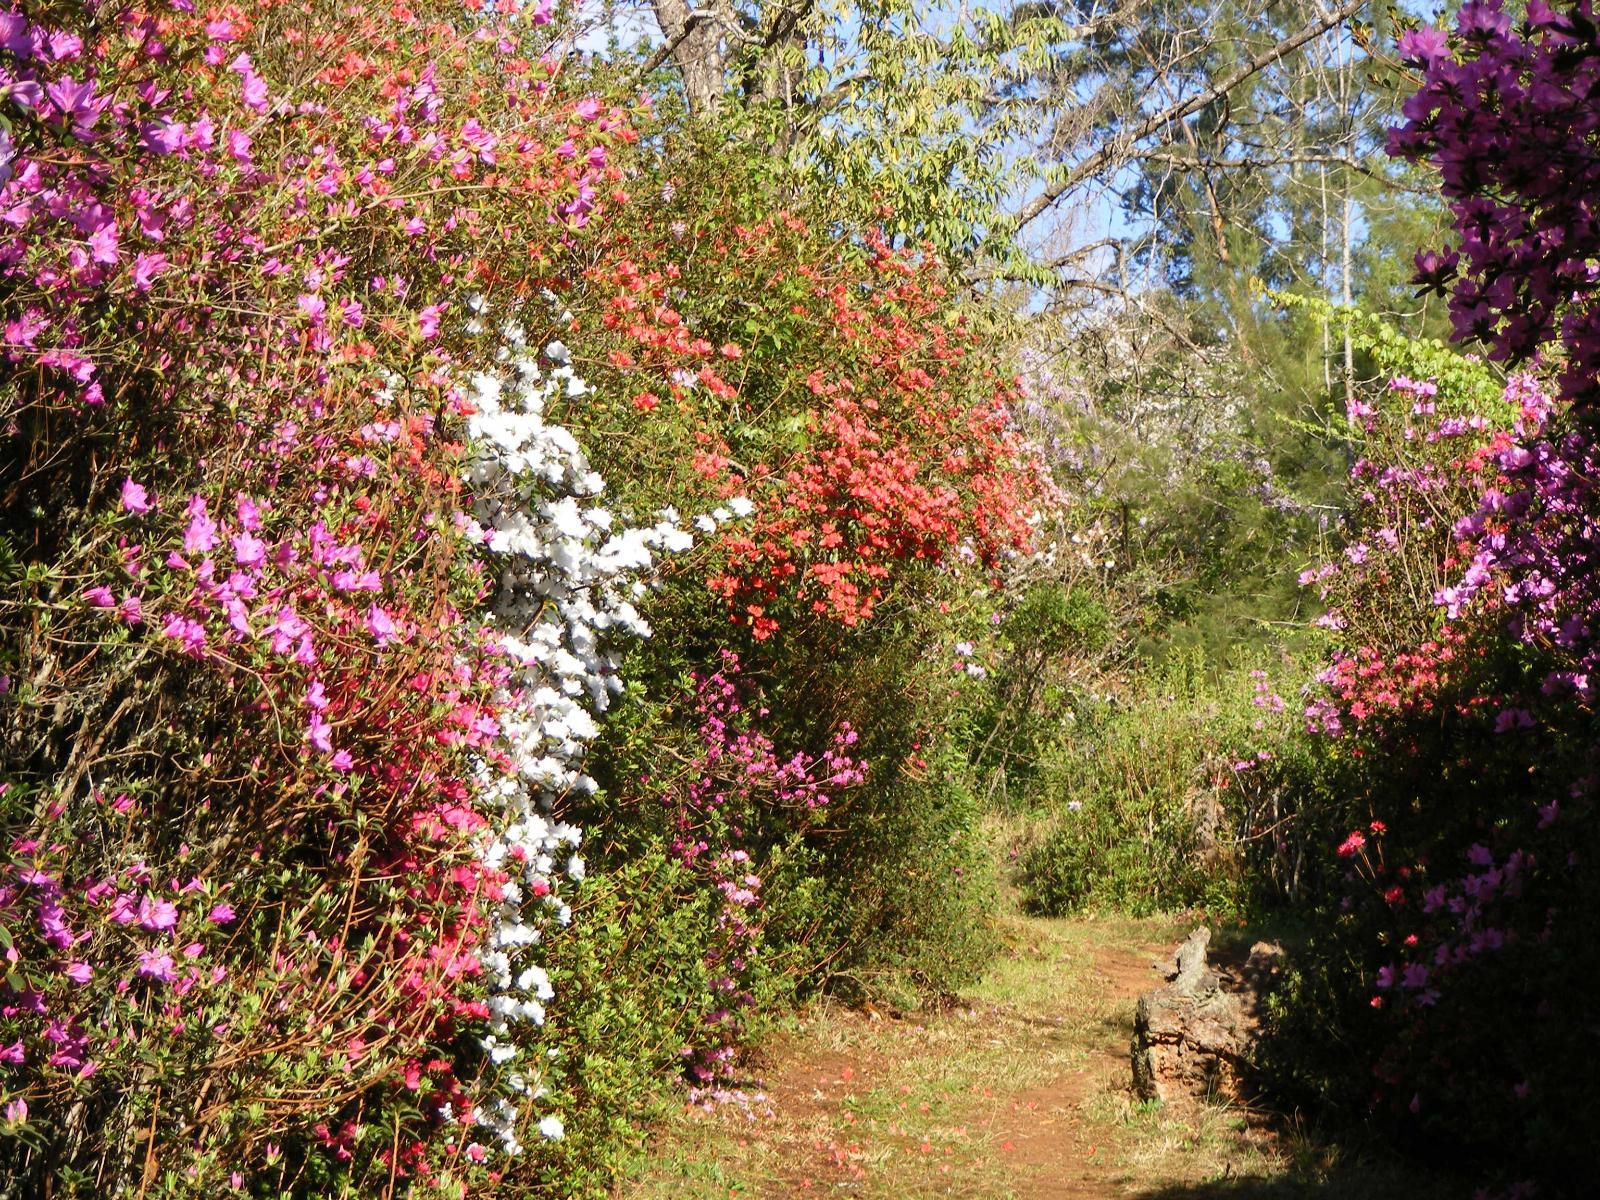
{"type": "Point", "coordinates": [1119, 148]}
{"type": "Point", "coordinates": [1246, 162]}
{"type": "Point", "coordinates": [670, 46]}
{"type": "Point", "coordinates": [1076, 255]}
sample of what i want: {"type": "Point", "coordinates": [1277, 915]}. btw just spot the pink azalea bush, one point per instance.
{"type": "Point", "coordinates": [315, 627]}
{"type": "Point", "coordinates": [1451, 789]}
{"type": "Point", "coordinates": [735, 777]}
{"type": "Point", "coordinates": [1455, 956]}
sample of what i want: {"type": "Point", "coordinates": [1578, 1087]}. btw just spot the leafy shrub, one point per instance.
{"type": "Point", "coordinates": [1143, 815]}
{"type": "Point", "coordinates": [279, 760]}
{"type": "Point", "coordinates": [1449, 959]}
{"type": "Point", "coordinates": [884, 887]}
{"type": "Point", "coordinates": [1036, 653]}
{"type": "Point", "coordinates": [632, 979]}
{"type": "Point", "coordinates": [917, 886]}
{"type": "Point", "coordinates": [842, 393]}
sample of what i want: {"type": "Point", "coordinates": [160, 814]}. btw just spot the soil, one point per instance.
{"type": "Point", "coordinates": [1050, 1151]}
{"type": "Point", "coordinates": [1057, 1154]}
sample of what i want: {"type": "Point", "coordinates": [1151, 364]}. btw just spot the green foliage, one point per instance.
{"type": "Point", "coordinates": [1467, 385]}
{"type": "Point", "coordinates": [1394, 231]}
{"type": "Point", "coordinates": [891, 111]}
{"type": "Point", "coordinates": [1039, 650]}
{"type": "Point", "coordinates": [632, 983]}
{"type": "Point", "coordinates": [1140, 816]}
{"type": "Point", "coordinates": [888, 890]}
{"type": "Point", "coordinates": [917, 886]}
{"type": "Point", "coordinates": [1055, 620]}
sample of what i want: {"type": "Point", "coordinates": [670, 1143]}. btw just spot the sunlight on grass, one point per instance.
{"type": "Point", "coordinates": [1020, 1091]}
{"type": "Point", "coordinates": [977, 1101]}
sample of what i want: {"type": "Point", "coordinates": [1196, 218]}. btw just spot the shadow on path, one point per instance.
{"type": "Point", "coordinates": [1358, 1183]}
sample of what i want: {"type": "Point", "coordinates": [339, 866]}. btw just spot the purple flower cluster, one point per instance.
{"type": "Point", "coordinates": [739, 774]}
{"type": "Point", "coordinates": [100, 218]}
{"type": "Point", "coordinates": [1535, 554]}
{"type": "Point", "coordinates": [1509, 112]}
{"type": "Point", "coordinates": [131, 946]}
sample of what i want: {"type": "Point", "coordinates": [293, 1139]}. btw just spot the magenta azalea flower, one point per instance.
{"type": "Point", "coordinates": [382, 625]}
{"type": "Point", "coordinates": [157, 965]}
{"type": "Point", "coordinates": [134, 498]}
{"type": "Point", "coordinates": [157, 915]}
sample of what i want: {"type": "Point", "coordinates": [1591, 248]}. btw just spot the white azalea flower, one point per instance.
{"type": "Point", "coordinates": [568, 571]}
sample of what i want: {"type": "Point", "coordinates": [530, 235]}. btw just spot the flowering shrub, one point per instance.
{"type": "Point", "coordinates": [1418, 470]}
{"type": "Point", "coordinates": [317, 608]}
{"type": "Point", "coordinates": [737, 775]}
{"type": "Point", "coordinates": [1454, 781]}
{"type": "Point", "coordinates": [841, 394]}
{"type": "Point", "coordinates": [837, 418]}
{"type": "Point", "coordinates": [1506, 113]}
{"type": "Point", "coordinates": [1485, 962]}
{"type": "Point", "coordinates": [314, 600]}
{"type": "Point", "coordinates": [560, 599]}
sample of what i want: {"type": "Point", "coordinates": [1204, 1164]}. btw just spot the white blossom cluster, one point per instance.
{"type": "Point", "coordinates": [568, 573]}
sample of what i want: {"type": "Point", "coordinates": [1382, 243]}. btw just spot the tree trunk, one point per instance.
{"type": "Point", "coordinates": [696, 45]}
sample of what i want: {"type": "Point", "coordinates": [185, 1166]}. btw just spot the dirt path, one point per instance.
{"type": "Point", "coordinates": [1059, 1149]}
{"type": "Point", "coordinates": [1020, 1092]}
